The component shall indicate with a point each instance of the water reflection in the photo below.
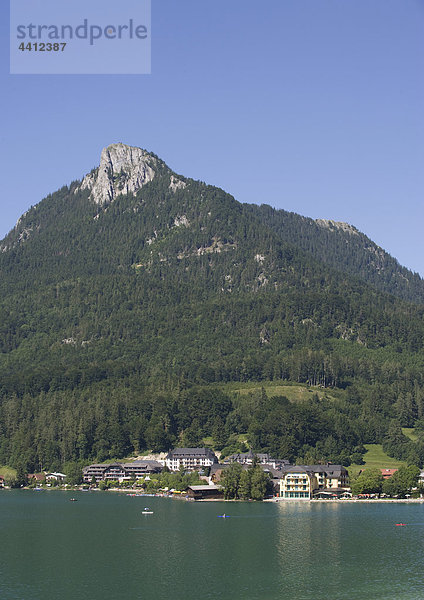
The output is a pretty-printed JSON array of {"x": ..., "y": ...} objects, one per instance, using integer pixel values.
[
  {"x": 307, "y": 533},
  {"x": 348, "y": 550}
]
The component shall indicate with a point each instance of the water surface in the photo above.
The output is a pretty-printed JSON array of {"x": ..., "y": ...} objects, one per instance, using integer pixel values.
[{"x": 102, "y": 547}]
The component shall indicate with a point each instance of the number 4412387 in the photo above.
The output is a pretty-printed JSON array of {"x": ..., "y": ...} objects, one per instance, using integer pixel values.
[{"x": 43, "y": 46}]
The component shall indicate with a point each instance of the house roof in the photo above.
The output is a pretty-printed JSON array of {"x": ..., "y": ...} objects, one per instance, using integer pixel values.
[
  {"x": 329, "y": 470},
  {"x": 296, "y": 469},
  {"x": 36, "y": 476},
  {"x": 187, "y": 452},
  {"x": 262, "y": 457},
  {"x": 143, "y": 464},
  {"x": 95, "y": 466},
  {"x": 130, "y": 466},
  {"x": 219, "y": 467},
  {"x": 388, "y": 472},
  {"x": 276, "y": 473},
  {"x": 202, "y": 488}
]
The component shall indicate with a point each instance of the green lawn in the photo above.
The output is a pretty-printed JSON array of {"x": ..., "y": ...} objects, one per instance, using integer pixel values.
[{"x": 375, "y": 458}]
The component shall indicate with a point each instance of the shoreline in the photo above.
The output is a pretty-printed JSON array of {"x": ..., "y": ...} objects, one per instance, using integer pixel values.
[
  {"x": 362, "y": 500},
  {"x": 276, "y": 500}
]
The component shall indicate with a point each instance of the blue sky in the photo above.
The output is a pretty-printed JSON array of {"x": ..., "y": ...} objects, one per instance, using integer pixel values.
[{"x": 314, "y": 106}]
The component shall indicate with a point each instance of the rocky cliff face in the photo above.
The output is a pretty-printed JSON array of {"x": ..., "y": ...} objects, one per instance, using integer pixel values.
[
  {"x": 333, "y": 225},
  {"x": 123, "y": 170}
]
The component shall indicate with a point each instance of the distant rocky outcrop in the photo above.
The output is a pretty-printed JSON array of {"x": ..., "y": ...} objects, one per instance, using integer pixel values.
[
  {"x": 330, "y": 224},
  {"x": 123, "y": 170}
]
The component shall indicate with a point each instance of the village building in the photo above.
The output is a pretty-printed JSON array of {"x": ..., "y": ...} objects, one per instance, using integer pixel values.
[
  {"x": 305, "y": 482},
  {"x": 190, "y": 459},
  {"x": 332, "y": 477},
  {"x": 247, "y": 458},
  {"x": 37, "y": 478},
  {"x": 204, "y": 492},
  {"x": 296, "y": 483},
  {"x": 120, "y": 471},
  {"x": 54, "y": 476},
  {"x": 216, "y": 471},
  {"x": 387, "y": 473}
]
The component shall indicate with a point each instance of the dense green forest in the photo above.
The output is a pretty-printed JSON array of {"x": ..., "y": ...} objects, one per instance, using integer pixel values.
[
  {"x": 120, "y": 325},
  {"x": 343, "y": 247}
]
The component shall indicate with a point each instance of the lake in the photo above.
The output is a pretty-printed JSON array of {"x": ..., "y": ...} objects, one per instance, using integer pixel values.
[{"x": 102, "y": 547}]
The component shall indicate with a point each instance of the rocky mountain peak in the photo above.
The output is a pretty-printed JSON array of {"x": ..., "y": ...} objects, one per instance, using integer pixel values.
[{"x": 123, "y": 170}]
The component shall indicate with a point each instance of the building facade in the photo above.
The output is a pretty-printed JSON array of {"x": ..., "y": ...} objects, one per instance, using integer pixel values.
[
  {"x": 204, "y": 492},
  {"x": 120, "y": 471},
  {"x": 306, "y": 482},
  {"x": 59, "y": 477},
  {"x": 190, "y": 459},
  {"x": 296, "y": 483}
]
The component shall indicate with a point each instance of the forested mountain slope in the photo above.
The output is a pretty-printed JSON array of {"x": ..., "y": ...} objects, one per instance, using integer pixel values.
[
  {"x": 123, "y": 293},
  {"x": 343, "y": 247}
]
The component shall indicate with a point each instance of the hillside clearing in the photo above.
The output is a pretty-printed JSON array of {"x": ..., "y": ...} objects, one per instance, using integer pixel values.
[
  {"x": 292, "y": 391},
  {"x": 7, "y": 472},
  {"x": 410, "y": 433},
  {"x": 376, "y": 458}
]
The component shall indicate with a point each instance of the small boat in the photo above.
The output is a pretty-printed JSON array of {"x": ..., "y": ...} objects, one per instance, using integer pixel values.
[
  {"x": 146, "y": 512},
  {"x": 72, "y": 500},
  {"x": 224, "y": 516},
  {"x": 400, "y": 524}
]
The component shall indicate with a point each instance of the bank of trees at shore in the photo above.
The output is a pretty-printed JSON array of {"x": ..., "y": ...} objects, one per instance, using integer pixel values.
[
  {"x": 252, "y": 483},
  {"x": 403, "y": 482}
]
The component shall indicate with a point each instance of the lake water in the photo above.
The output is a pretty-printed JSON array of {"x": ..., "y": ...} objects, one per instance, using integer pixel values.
[{"x": 102, "y": 547}]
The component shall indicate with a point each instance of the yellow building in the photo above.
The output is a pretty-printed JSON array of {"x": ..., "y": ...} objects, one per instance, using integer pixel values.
[
  {"x": 302, "y": 482},
  {"x": 296, "y": 484}
]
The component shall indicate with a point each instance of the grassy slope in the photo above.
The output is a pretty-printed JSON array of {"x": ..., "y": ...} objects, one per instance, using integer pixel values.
[
  {"x": 410, "y": 433},
  {"x": 7, "y": 472},
  {"x": 293, "y": 391},
  {"x": 375, "y": 458}
]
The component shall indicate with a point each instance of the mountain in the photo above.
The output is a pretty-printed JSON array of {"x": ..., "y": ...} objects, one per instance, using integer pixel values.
[
  {"x": 130, "y": 298},
  {"x": 125, "y": 170}
]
